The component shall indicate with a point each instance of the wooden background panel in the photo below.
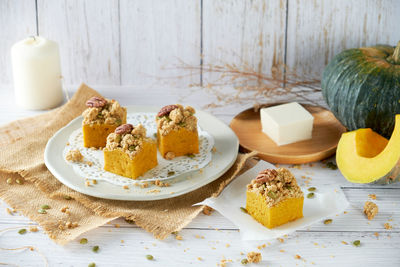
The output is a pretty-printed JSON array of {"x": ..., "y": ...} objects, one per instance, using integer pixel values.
[
  {"x": 88, "y": 35},
  {"x": 318, "y": 30},
  {"x": 17, "y": 21},
  {"x": 237, "y": 32},
  {"x": 155, "y": 35}
]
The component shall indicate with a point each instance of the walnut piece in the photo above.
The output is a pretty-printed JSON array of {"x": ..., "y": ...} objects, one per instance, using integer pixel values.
[
  {"x": 254, "y": 257},
  {"x": 96, "y": 102},
  {"x": 123, "y": 129},
  {"x": 166, "y": 110},
  {"x": 370, "y": 209}
]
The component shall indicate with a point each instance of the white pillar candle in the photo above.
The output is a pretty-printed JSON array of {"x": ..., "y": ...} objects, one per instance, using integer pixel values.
[{"x": 37, "y": 73}]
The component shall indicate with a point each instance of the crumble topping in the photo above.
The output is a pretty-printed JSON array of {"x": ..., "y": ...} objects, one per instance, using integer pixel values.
[
  {"x": 103, "y": 111},
  {"x": 128, "y": 138},
  {"x": 174, "y": 117},
  {"x": 74, "y": 155},
  {"x": 254, "y": 257},
  {"x": 275, "y": 185},
  {"x": 370, "y": 209}
]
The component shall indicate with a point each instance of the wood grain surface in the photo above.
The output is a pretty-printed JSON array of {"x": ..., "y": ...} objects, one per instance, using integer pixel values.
[{"x": 325, "y": 137}]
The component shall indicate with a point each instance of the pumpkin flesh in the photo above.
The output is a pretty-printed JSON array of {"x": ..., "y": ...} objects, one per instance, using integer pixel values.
[{"x": 363, "y": 156}]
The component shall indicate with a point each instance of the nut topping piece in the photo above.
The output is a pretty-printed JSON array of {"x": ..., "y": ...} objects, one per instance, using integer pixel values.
[
  {"x": 96, "y": 102},
  {"x": 266, "y": 176},
  {"x": 124, "y": 128},
  {"x": 166, "y": 110}
]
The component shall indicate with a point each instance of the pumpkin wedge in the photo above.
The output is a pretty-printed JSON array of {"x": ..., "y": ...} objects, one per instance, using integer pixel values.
[{"x": 363, "y": 156}]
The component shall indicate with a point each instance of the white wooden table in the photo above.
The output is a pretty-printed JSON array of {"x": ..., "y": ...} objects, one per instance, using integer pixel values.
[{"x": 209, "y": 239}]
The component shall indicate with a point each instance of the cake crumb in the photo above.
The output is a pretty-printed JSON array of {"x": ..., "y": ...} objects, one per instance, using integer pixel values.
[
  {"x": 153, "y": 191},
  {"x": 125, "y": 187},
  {"x": 282, "y": 250},
  {"x": 74, "y": 155},
  {"x": 227, "y": 245},
  {"x": 33, "y": 229},
  {"x": 261, "y": 246},
  {"x": 144, "y": 185},
  {"x": 9, "y": 211},
  {"x": 117, "y": 225},
  {"x": 372, "y": 196},
  {"x": 161, "y": 184},
  {"x": 207, "y": 210},
  {"x": 345, "y": 243},
  {"x": 387, "y": 226},
  {"x": 376, "y": 234},
  {"x": 281, "y": 240},
  {"x": 254, "y": 257},
  {"x": 199, "y": 258},
  {"x": 122, "y": 241},
  {"x": 178, "y": 237},
  {"x": 297, "y": 256},
  {"x": 370, "y": 209}
]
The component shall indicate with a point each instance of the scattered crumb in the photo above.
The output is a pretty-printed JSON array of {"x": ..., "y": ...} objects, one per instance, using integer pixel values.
[
  {"x": 122, "y": 241},
  {"x": 297, "y": 256},
  {"x": 87, "y": 183},
  {"x": 281, "y": 240},
  {"x": 125, "y": 187},
  {"x": 282, "y": 250},
  {"x": 370, "y": 209},
  {"x": 207, "y": 210},
  {"x": 64, "y": 209},
  {"x": 33, "y": 229},
  {"x": 94, "y": 181},
  {"x": 227, "y": 245},
  {"x": 387, "y": 226},
  {"x": 161, "y": 184},
  {"x": 214, "y": 149},
  {"x": 254, "y": 257},
  {"x": 89, "y": 163},
  {"x": 376, "y": 234},
  {"x": 153, "y": 191},
  {"x": 144, "y": 185},
  {"x": 199, "y": 258},
  {"x": 117, "y": 225},
  {"x": 372, "y": 196},
  {"x": 74, "y": 155},
  {"x": 9, "y": 211},
  {"x": 344, "y": 212},
  {"x": 345, "y": 243},
  {"x": 178, "y": 237},
  {"x": 261, "y": 246}
]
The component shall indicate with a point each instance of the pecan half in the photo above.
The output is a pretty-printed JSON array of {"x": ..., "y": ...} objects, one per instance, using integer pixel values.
[
  {"x": 96, "y": 102},
  {"x": 266, "y": 176},
  {"x": 166, "y": 110},
  {"x": 124, "y": 128}
]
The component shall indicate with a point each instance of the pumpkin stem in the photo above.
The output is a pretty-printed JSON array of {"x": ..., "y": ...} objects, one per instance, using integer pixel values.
[{"x": 396, "y": 54}]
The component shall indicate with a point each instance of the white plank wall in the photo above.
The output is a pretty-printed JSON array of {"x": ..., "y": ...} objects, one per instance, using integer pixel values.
[
  {"x": 140, "y": 43},
  {"x": 318, "y": 30},
  {"x": 17, "y": 20},
  {"x": 88, "y": 35}
]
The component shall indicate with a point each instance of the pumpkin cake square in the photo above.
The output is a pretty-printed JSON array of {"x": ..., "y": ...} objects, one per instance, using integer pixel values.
[
  {"x": 100, "y": 119},
  {"x": 129, "y": 152},
  {"x": 273, "y": 198},
  {"x": 177, "y": 131}
]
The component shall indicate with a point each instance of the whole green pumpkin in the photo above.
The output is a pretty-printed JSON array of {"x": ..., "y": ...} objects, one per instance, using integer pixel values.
[{"x": 362, "y": 87}]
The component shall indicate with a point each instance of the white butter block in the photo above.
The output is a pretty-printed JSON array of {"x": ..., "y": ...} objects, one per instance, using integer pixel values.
[{"x": 287, "y": 123}]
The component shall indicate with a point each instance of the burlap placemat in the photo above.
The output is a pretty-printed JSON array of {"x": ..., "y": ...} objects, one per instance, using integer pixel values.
[{"x": 26, "y": 184}]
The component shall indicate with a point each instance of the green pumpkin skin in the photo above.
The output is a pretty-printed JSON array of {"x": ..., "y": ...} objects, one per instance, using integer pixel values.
[{"x": 362, "y": 88}]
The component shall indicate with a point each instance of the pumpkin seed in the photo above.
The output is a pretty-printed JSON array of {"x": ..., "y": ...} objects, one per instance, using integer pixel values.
[
  {"x": 244, "y": 210},
  {"x": 42, "y": 211},
  {"x": 155, "y": 135},
  {"x": 22, "y": 231},
  {"x": 271, "y": 194},
  {"x": 170, "y": 173},
  {"x": 118, "y": 121},
  {"x": 130, "y": 221},
  {"x": 310, "y": 195},
  {"x": 331, "y": 165},
  {"x": 286, "y": 186},
  {"x": 312, "y": 189},
  {"x": 328, "y": 221},
  {"x": 95, "y": 249},
  {"x": 190, "y": 155},
  {"x": 244, "y": 261},
  {"x": 83, "y": 241},
  {"x": 357, "y": 243},
  {"x": 19, "y": 181},
  {"x": 45, "y": 207},
  {"x": 92, "y": 264},
  {"x": 9, "y": 181},
  {"x": 149, "y": 257},
  {"x": 131, "y": 148},
  {"x": 100, "y": 116},
  {"x": 67, "y": 197}
]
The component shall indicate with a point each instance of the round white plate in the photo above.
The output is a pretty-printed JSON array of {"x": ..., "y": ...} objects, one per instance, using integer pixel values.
[{"x": 226, "y": 144}]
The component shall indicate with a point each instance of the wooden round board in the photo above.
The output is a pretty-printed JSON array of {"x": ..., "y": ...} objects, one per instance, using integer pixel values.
[{"x": 325, "y": 137}]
